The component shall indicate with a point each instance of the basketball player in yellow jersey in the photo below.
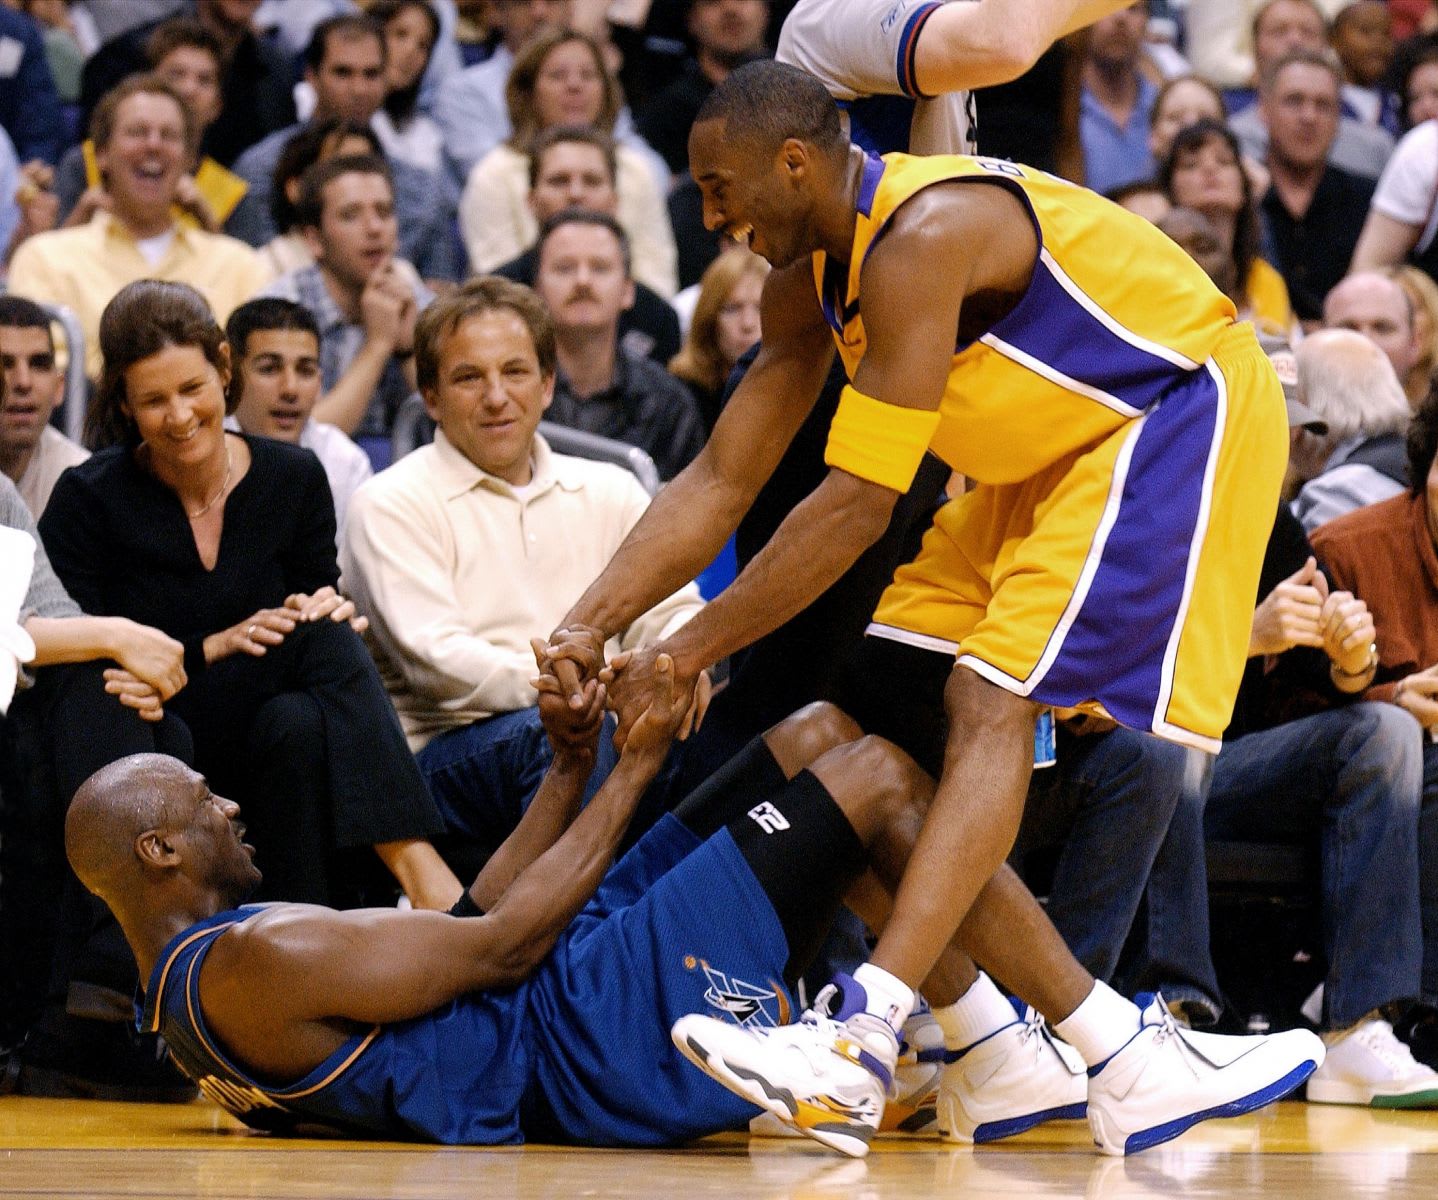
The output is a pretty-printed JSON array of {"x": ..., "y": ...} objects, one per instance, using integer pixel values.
[{"x": 1127, "y": 441}]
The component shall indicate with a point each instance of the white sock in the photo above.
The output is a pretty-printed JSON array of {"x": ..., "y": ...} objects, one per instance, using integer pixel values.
[
  {"x": 980, "y": 1011},
  {"x": 887, "y": 996},
  {"x": 1101, "y": 1026}
]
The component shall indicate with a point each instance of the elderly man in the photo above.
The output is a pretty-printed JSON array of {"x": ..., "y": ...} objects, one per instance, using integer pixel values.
[
  {"x": 144, "y": 138},
  {"x": 1349, "y": 384},
  {"x": 463, "y": 549},
  {"x": 1387, "y": 555},
  {"x": 1373, "y": 304}
]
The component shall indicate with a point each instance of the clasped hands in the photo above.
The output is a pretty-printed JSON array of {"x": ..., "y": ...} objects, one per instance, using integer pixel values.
[{"x": 644, "y": 688}]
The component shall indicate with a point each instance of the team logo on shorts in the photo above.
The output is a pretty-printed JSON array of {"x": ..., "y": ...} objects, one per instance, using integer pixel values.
[{"x": 742, "y": 1002}]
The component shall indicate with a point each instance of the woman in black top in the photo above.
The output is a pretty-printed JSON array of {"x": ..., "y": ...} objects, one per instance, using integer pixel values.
[{"x": 226, "y": 543}]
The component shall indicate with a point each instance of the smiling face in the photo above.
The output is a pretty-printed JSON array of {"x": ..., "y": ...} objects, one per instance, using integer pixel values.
[
  {"x": 32, "y": 387},
  {"x": 145, "y": 157},
  {"x": 757, "y": 199},
  {"x": 176, "y": 398},
  {"x": 490, "y": 392},
  {"x": 280, "y": 377}
]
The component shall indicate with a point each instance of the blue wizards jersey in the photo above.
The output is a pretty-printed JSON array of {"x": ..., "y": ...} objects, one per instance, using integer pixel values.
[
  {"x": 578, "y": 1053},
  {"x": 456, "y": 1075}
]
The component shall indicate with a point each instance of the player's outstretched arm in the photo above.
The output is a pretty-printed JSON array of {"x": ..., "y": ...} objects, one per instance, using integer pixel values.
[
  {"x": 574, "y": 735},
  {"x": 284, "y": 988},
  {"x": 688, "y": 522},
  {"x": 966, "y": 46}
]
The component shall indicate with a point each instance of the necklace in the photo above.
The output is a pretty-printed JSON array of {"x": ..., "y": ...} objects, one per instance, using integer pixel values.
[{"x": 215, "y": 499}]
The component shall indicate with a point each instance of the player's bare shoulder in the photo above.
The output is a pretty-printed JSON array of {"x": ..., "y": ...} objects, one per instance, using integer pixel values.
[{"x": 974, "y": 229}]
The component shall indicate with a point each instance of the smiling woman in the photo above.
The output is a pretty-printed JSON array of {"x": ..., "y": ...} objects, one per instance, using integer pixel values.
[{"x": 226, "y": 542}]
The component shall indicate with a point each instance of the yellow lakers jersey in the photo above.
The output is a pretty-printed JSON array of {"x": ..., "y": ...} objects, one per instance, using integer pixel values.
[{"x": 1114, "y": 315}]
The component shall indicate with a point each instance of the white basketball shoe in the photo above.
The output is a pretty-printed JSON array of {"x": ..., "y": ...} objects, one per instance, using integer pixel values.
[
  {"x": 1166, "y": 1079},
  {"x": 1010, "y": 1081},
  {"x": 826, "y": 1076}
]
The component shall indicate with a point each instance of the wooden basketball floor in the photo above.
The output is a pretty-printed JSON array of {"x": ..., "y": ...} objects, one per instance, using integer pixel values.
[{"x": 68, "y": 1148}]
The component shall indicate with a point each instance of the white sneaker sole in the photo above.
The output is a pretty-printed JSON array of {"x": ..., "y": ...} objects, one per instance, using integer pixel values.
[{"x": 852, "y": 1140}]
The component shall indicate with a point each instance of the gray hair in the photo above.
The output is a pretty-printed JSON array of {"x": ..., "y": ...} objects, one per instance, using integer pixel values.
[{"x": 1348, "y": 382}]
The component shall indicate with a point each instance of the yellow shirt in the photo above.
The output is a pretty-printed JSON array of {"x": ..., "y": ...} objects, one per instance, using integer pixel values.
[
  {"x": 1114, "y": 315},
  {"x": 1267, "y": 303},
  {"x": 83, "y": 268}
]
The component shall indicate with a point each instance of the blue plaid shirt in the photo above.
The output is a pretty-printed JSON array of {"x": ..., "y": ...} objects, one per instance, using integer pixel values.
[{"x": 340, "y": 341}]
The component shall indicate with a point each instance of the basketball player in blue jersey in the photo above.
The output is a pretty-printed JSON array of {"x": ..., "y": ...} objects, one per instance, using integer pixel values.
[
  {"x": 1125, "y": 438},
  {"x": 546, "y": 1015}
]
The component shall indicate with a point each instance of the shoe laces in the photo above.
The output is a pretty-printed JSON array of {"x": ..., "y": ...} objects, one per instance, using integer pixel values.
[
  {"x": 1379, "y": 1037},
  {"x": 1165, "y": 1027},
  {"x": 1036, "y": 1032}
]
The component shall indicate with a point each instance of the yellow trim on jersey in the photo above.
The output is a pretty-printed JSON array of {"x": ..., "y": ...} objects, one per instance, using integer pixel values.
[
  {"x": 883, "y": 443},
  {"x": 276, "y": 1094},
  {"x": 170, "y": 962}
]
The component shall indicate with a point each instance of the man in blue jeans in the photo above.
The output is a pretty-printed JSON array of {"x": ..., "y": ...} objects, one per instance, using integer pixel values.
[
  {"x": 468, "y": 547},
  {"x": 1348, "y": 780}
]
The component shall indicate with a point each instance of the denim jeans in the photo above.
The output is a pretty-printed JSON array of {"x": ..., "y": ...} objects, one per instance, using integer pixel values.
[
  {"x": 482, "y": 777},
  {"x": 1350, "y": 781},
  {"x": 1127, "y": 827},
  {"x": 1428, "y": 870}
]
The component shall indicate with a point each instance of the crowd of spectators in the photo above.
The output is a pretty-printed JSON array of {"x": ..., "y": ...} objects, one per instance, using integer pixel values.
[{"x": 277, "y": 232}]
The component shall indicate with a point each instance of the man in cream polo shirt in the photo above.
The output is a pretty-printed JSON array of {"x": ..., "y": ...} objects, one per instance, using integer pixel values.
[{"x": 465, "y": 549}]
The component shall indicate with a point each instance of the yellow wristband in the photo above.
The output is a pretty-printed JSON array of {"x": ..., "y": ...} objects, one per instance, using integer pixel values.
[{"x": 883, "y": 443}]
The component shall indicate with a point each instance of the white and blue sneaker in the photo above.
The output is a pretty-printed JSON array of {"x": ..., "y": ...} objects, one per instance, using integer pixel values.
[
  {"x": 1167, "y": 1079},
  {"x": 826, "y": 1076},
  {"x": 1010, "y": 1081}
]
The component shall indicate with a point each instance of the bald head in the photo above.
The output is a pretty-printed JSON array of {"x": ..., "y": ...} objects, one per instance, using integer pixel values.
[
  {"x": 1348, "y": 382},
  {"x": 113, "y": 807},
  {"x": 147, "y": 834},
  {"x": 1378, "y": 308}
]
